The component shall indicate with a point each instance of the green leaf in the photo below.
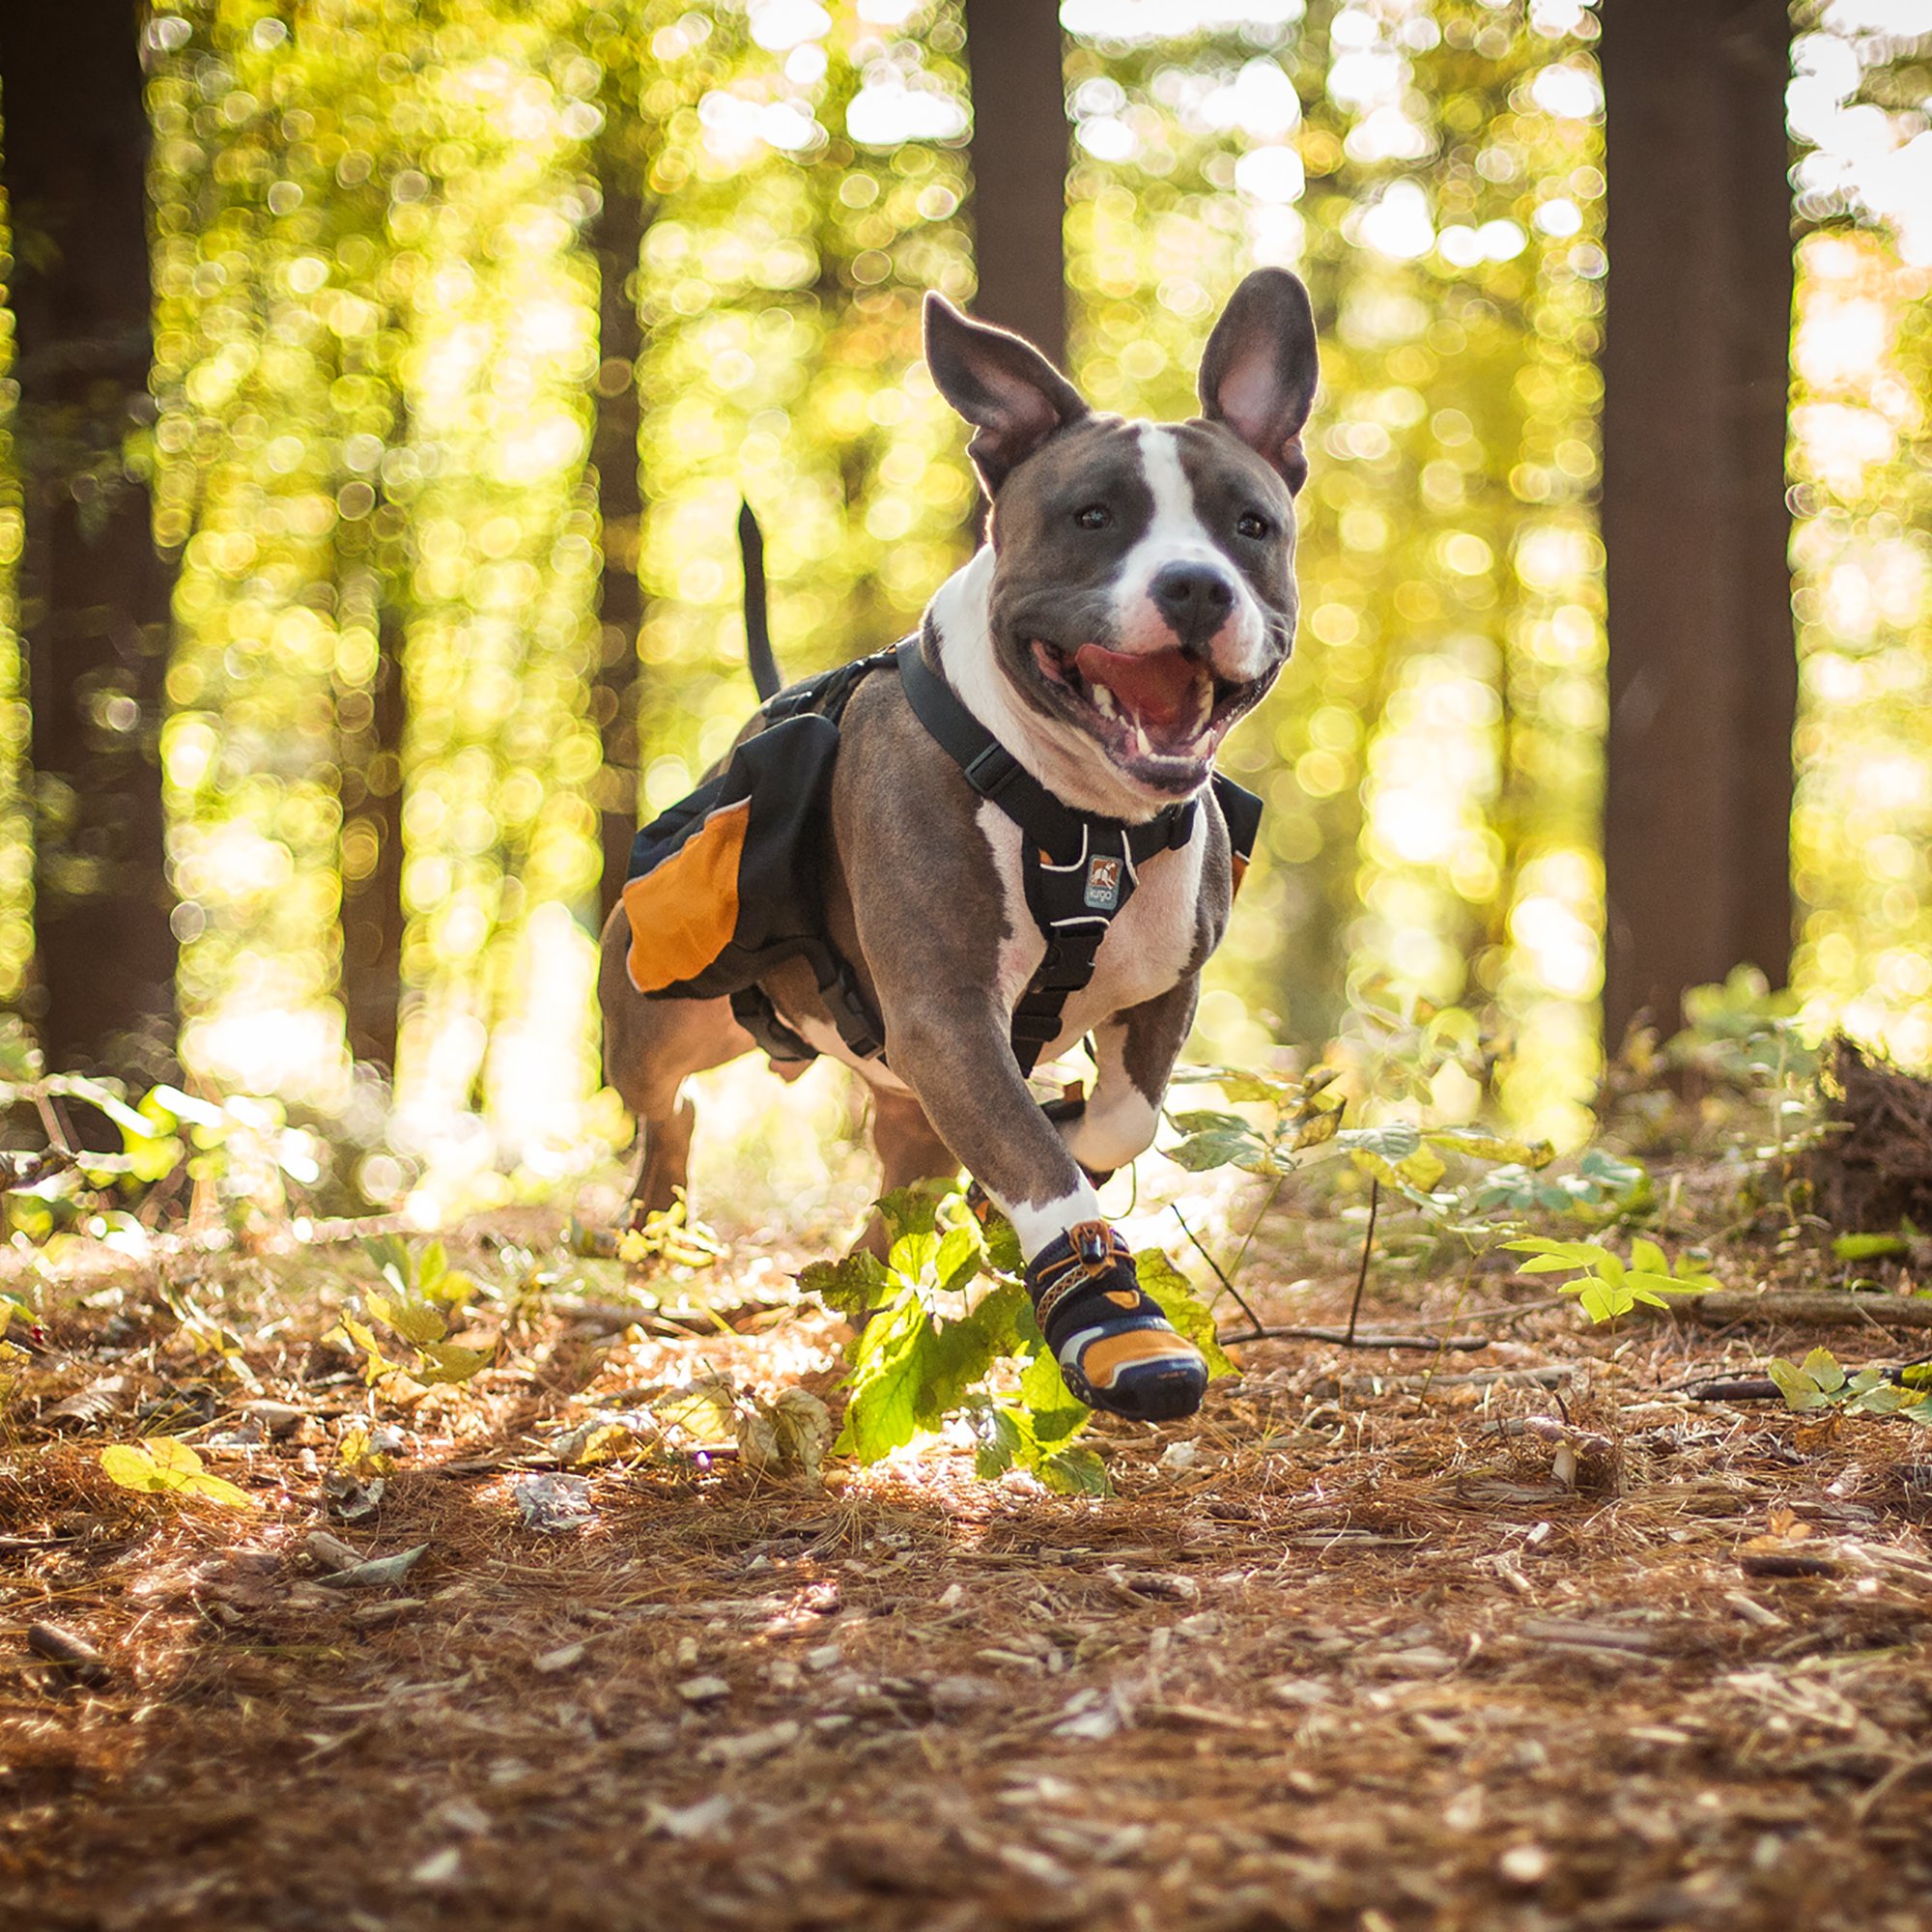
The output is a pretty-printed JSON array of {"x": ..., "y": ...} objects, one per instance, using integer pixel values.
[
  {"x": 452, "y": 1363},
  {"x": 1003, "y": 1246},
  {"x": 913, "y": 1255},
  {"x": 1655, "y": 1284},
  {"x": 1602, "y": 1301},
  {"x": 1480, "y": 1145},
  {"x": 1313, "y": 1129},
  {"x": 1209, "y": 1123},
  {"x": 909, "y": 1371},
  {"x": 1566, "y": 1253},
  {"x": 958, "y": 1260},
  {"x": 1200, "y": 1153},
  {"x": 410, "y": 1319},
  {"x": 164, "y": 1467},
  {"x": 914, "y": 1209},
  {"x": 1186, "y": 1312},
  {"x": 1798, "y": 1390},
  {"x": 390, "y": 1254},
  {"x": 1647, "y": 1258},
  {"x": 1822, "y": 1366},
  {"x": 376, "y": 1364},
  {"x": 997, "y": 1441},
  {"x": 1077, "y": 1472},
  {"x": 851, "y": 1287}
]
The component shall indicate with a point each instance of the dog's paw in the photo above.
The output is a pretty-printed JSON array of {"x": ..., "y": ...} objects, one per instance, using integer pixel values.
[{"x": 1115, "y": 1349}]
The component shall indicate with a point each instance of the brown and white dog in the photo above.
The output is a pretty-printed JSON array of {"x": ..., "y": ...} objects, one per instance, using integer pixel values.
[{"x": 1135, "y": 597}]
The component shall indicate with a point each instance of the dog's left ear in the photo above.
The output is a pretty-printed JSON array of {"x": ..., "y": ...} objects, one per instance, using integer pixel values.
[
  {"x": 1257, "y": 374},
  {"x": 1000, "y": 384}
]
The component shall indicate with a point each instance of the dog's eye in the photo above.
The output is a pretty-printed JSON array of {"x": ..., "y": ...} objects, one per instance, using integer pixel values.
[
  {"x": 1095, "y": 517},
  {"x": 1250, "y": 525}
]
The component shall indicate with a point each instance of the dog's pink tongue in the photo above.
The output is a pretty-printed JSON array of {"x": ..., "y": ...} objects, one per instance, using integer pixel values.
[{"x": 1153, "y": 685}]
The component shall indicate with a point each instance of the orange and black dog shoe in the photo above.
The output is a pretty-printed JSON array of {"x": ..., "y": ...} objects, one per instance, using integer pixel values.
[{"x": 1115, "y": 1349}]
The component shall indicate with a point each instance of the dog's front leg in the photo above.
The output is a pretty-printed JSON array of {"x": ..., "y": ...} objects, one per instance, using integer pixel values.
[
  {"x": 1114, "y": 1347},
  {"x": 1134, "y": 1054}
]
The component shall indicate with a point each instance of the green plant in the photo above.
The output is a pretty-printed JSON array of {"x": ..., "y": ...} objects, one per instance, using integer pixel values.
[
  {"x": 942, "y": 1319},
  {"x": 1409, "y": 1160},
  {"x": 1820, "y": 1382},
  {"x": 422, "y": 1292},
  {"x": 162, "y": 1466},
  {"x": 1608, "y": 1286}
]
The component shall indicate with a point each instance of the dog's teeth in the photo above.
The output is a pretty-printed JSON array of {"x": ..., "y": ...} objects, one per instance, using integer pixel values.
[
  {"x": 1103, "y": 702},
  {"x": 1142, "y": 742}
]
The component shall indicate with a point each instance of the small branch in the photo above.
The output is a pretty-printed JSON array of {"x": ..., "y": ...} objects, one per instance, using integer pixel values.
[
  {"x": 1239, "y": 1301},
  {"x": 1368, "y": 1245},
  {"x": 1365, "y": 1338}
]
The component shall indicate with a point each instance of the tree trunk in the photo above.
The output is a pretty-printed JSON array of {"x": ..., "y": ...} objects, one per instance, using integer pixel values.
[
  {"x": 619, "y": 240},
  {"x": 372, "y": 840},
  {"x": 1703, "y": 673},
  {"x": 1018, "y": 160},
  {"x": 95, "y": 592}
]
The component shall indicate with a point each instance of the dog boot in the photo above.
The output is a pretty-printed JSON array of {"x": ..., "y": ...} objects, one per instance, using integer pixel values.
[{"x": 1113, "y": 1344}]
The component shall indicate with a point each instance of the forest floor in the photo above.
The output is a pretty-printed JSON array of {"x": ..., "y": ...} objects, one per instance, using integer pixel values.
[{"x": 1345, "y": 1651}]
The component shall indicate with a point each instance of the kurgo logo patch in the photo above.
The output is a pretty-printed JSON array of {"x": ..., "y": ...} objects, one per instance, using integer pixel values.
[{"x": 1103, "y": 884}]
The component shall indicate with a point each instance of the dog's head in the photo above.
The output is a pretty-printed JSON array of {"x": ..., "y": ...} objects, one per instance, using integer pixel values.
[{"x": 1143, "y": 587}]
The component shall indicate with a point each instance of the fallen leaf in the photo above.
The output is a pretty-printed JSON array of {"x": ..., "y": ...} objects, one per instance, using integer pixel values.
[
  {"x": 554, "y": 1505},
  {"x": 380, "y": 1572},
  {"x": 162, "y": 1467}
]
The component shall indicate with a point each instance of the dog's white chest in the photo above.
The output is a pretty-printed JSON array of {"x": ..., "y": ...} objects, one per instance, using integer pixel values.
[{"x": 1148, "y": 946}]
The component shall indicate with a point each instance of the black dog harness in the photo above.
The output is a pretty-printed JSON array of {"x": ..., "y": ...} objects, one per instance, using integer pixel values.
[{"x": 724, "y": 886}]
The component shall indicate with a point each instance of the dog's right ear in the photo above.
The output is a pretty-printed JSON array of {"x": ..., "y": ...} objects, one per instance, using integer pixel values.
[{"x": 1003, "y": 385}]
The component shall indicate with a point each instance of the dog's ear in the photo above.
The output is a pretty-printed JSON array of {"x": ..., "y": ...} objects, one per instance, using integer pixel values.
[
  {"x": 1258, "y": 373},
  {"x": 1004, "y": 386}
]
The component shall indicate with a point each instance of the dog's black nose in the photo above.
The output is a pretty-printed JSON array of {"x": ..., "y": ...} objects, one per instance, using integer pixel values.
[{"x": 1195, "y": 599}]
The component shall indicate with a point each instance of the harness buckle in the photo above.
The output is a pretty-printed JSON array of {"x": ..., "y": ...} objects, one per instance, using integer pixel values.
[{"x": 991, "y": 771}]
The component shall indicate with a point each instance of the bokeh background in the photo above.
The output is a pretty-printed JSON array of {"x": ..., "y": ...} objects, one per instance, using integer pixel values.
[{"x": 389, "y": 315}]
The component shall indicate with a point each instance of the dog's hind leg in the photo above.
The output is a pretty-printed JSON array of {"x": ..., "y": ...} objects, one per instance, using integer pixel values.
[{"x": 650, "y": 1048}]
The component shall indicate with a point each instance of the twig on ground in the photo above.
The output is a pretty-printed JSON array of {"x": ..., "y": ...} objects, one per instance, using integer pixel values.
[
  {"x": 1240, "y": 1300},
  {"x": 1365, "y": 1338},
  {"x": 1368, "y": 1247}
]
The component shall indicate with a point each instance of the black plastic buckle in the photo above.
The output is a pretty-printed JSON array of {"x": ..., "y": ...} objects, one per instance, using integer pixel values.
[{"x": 991, "y": 771}]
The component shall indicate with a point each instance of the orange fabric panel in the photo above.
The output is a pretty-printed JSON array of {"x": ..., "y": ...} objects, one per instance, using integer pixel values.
[
  {"x": 1239, "y": 868},
  {"x": 1102, "y": 1361},
  {"x": 682, "y": 915}
]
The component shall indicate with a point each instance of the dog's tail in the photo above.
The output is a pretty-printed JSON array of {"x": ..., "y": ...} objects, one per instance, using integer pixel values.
[{"x": 765, "y": 676}]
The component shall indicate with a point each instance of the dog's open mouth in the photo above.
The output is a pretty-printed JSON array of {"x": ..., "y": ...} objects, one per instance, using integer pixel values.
[{"x": 1160, "y": 714}]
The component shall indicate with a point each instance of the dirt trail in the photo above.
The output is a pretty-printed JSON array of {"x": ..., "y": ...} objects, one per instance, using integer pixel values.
[{"x": 1344, "y": 1654}]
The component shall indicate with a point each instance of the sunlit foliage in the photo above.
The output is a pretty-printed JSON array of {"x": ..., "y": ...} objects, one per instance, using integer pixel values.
[
  {"x": 1432, "y": 755},
  {"x": 1861, "y": 436},
  {"x": 376, "y": 362}
]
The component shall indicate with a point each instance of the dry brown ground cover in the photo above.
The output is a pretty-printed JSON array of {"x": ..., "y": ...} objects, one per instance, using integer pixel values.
[{"x": 1343, "y": 1654}]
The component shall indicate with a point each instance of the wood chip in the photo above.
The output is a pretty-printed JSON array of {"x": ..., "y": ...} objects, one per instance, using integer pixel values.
[{"x": 71, "y": 1652}]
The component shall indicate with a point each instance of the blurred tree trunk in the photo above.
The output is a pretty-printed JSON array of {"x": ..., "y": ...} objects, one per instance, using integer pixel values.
[
  {"x": 1703, "y": 670},
  {"x": 619, "y": 239},
  {"x": 1018, "y": 159},
  {"x": 95, "y": 592},
  {"x": 372, "y": 826}
]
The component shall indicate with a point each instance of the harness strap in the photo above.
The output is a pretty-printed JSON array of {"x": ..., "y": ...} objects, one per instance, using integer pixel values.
[{"x": 1079, "y": 868}]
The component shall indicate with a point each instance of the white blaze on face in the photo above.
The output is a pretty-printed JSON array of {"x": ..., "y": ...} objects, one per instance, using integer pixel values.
[{"x": 1239, "y": 649}]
